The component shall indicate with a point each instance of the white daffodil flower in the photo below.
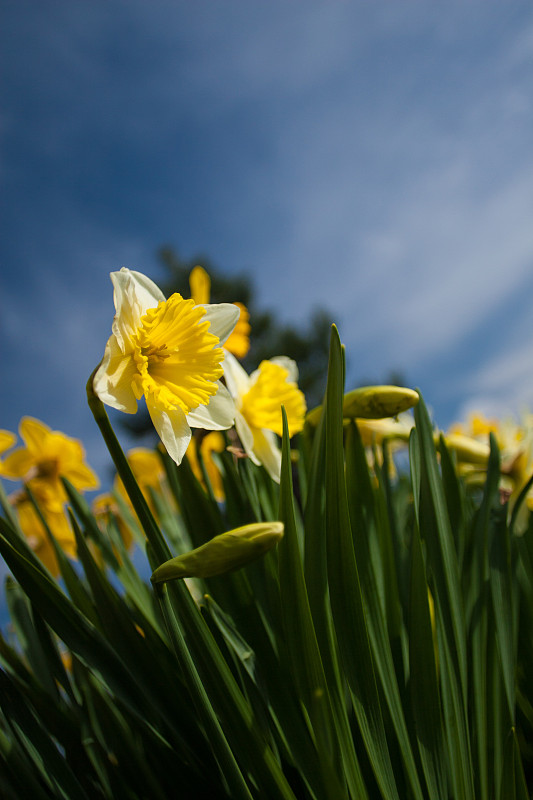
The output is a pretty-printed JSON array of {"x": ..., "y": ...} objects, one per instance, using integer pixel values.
[
  {"x": 258, "y": 400},
  {"x": 170, "y": 352}
]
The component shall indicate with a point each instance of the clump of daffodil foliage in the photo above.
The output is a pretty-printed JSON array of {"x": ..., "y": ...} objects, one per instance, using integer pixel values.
[{"x": 272, "y": 606}]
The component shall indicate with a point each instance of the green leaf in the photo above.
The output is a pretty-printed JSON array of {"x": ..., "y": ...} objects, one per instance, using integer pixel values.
[
  {"x": 34, "y": 739},
  {"x": 479, "y": 588},
  {"x": 443, "y": 571},
  {"x": 347, "y": 605},
  {"x": 513, "y": 786},
  {"x": 423, "y": 680},
  {"x": 374, "y": 556},
  {"x": 300, "y": 638}
]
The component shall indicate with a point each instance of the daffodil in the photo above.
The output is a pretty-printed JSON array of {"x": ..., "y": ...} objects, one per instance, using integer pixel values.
[
  {"x": 169, "y": 352},
  {"x": 211, "y": 443},
  {"x": 105, "y": 509},
  {"x": 47, "y": 456},
  {"x": 238, "y": 342},
  {"x": 35, "y": 533},
  {"x": 147, "y": 467},
  {"x": 375, "y": 431},
  {"x": 395, "y": 431},
  {"x": 515, "y": 442},
  {"x": 149, "y": 473},
  {"x": 258, "y": 399}
]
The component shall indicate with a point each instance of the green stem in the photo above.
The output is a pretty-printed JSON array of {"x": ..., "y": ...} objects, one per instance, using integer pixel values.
[
  {"x": 217, "y": 740},
  {"x": 228, "y": 699},
  {"x": 150, "y": 526}
]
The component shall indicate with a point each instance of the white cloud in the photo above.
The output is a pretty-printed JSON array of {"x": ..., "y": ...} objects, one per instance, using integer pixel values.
[{"x": 379, "y": 164}]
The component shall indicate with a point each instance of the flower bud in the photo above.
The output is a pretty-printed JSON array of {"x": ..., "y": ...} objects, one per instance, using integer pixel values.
[
  {"x": 224, "y": 553},
  {"x": 467, "y": 449},
  {"x": 372, "y": 402}
]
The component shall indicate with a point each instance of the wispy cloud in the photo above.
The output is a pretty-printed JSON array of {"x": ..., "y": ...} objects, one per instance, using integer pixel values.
[{"x": 370, "y": 158}]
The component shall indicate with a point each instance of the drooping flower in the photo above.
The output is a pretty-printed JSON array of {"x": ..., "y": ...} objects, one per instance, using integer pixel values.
[
  {"x": 258, "y": 399},
  {"x": 375, "y": 431},
  {"x": 470, "y": 442},
  {"x": 35, "y": 533},
  {"x": 395, "y": 431},
  {"x": 211, "y": 443},
  {"x": 147, "y": 468},
  {"x": 105, "y": 509},
  {"x": 170, "y": 352},
  {"x": 47, "y": 456},
  {"x": 150, "y": 475},
  {"x": 238, "y": 341}
]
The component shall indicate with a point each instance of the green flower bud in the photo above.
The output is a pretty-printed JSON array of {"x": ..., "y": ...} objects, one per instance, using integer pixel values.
[
  {"x": 372, "y": 402},
  {"x": 224, "y": 553},
  {"x": 468, "y": 449}
]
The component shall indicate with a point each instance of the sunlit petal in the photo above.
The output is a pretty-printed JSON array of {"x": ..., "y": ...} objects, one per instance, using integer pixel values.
[
  {"x": 34, "y": 433},
  {"x": 236, "y": 377},
  {"x": 172, "y": 427},
  {"x": 7, "y": 440},
  {"x": 246, "y": 436},
  {"x": 267, "y": 451},
  {"x": 288, "y": 364},
  {"x": 217, "y": 415},
  {"x": 114, "y": 377},
  {"x": 17, "y": 464},
  {"x": 222, "y": 318},
  {"x": 200, "y": 284}
]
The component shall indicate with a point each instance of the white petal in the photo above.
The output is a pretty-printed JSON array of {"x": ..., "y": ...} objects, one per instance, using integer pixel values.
[
  {"x": 246, "y": 436},
  {"x": 289, "y": 364},
  {"x": 236, "y": 377},
  {"x": 112, "y": 382},
  {"x": 217, "y": 415},
  {"x": 223, "y": 318},
  {"x": 173, "y": 429},
  {"x": 267, "y": 451},
  {"x": 133, "y": 295}
]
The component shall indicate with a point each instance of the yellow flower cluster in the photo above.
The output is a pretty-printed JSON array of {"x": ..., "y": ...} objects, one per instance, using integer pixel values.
[
  {"x": 470, "y": 442},
  {"x": 39, "y": 465},
  {"x": 178, "y": 355}
]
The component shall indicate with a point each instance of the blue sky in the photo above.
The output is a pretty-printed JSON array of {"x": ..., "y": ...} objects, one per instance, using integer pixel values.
[{"x": 373, "y": 158}]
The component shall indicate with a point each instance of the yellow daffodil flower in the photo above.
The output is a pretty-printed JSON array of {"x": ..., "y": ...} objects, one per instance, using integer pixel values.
[
  {"x": 149, "y": 473},
  {"x": 238, "y": 342},
  {"x": 104, "y": 508},
  {"x": 375, "y": 431},
  {"x": 211, "y": 443},
  {"x": 147, "y": 467},
  {"x": 478, "y": 426},
  {"x": 170, "y": 352},
  {"x": 515, "y": 442},
  {"x": 46, "y": 457},
  {"x": 467, "y": 449},
  {"x": 258, "y": 399},
  {"x": 35, "y": 533}
]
